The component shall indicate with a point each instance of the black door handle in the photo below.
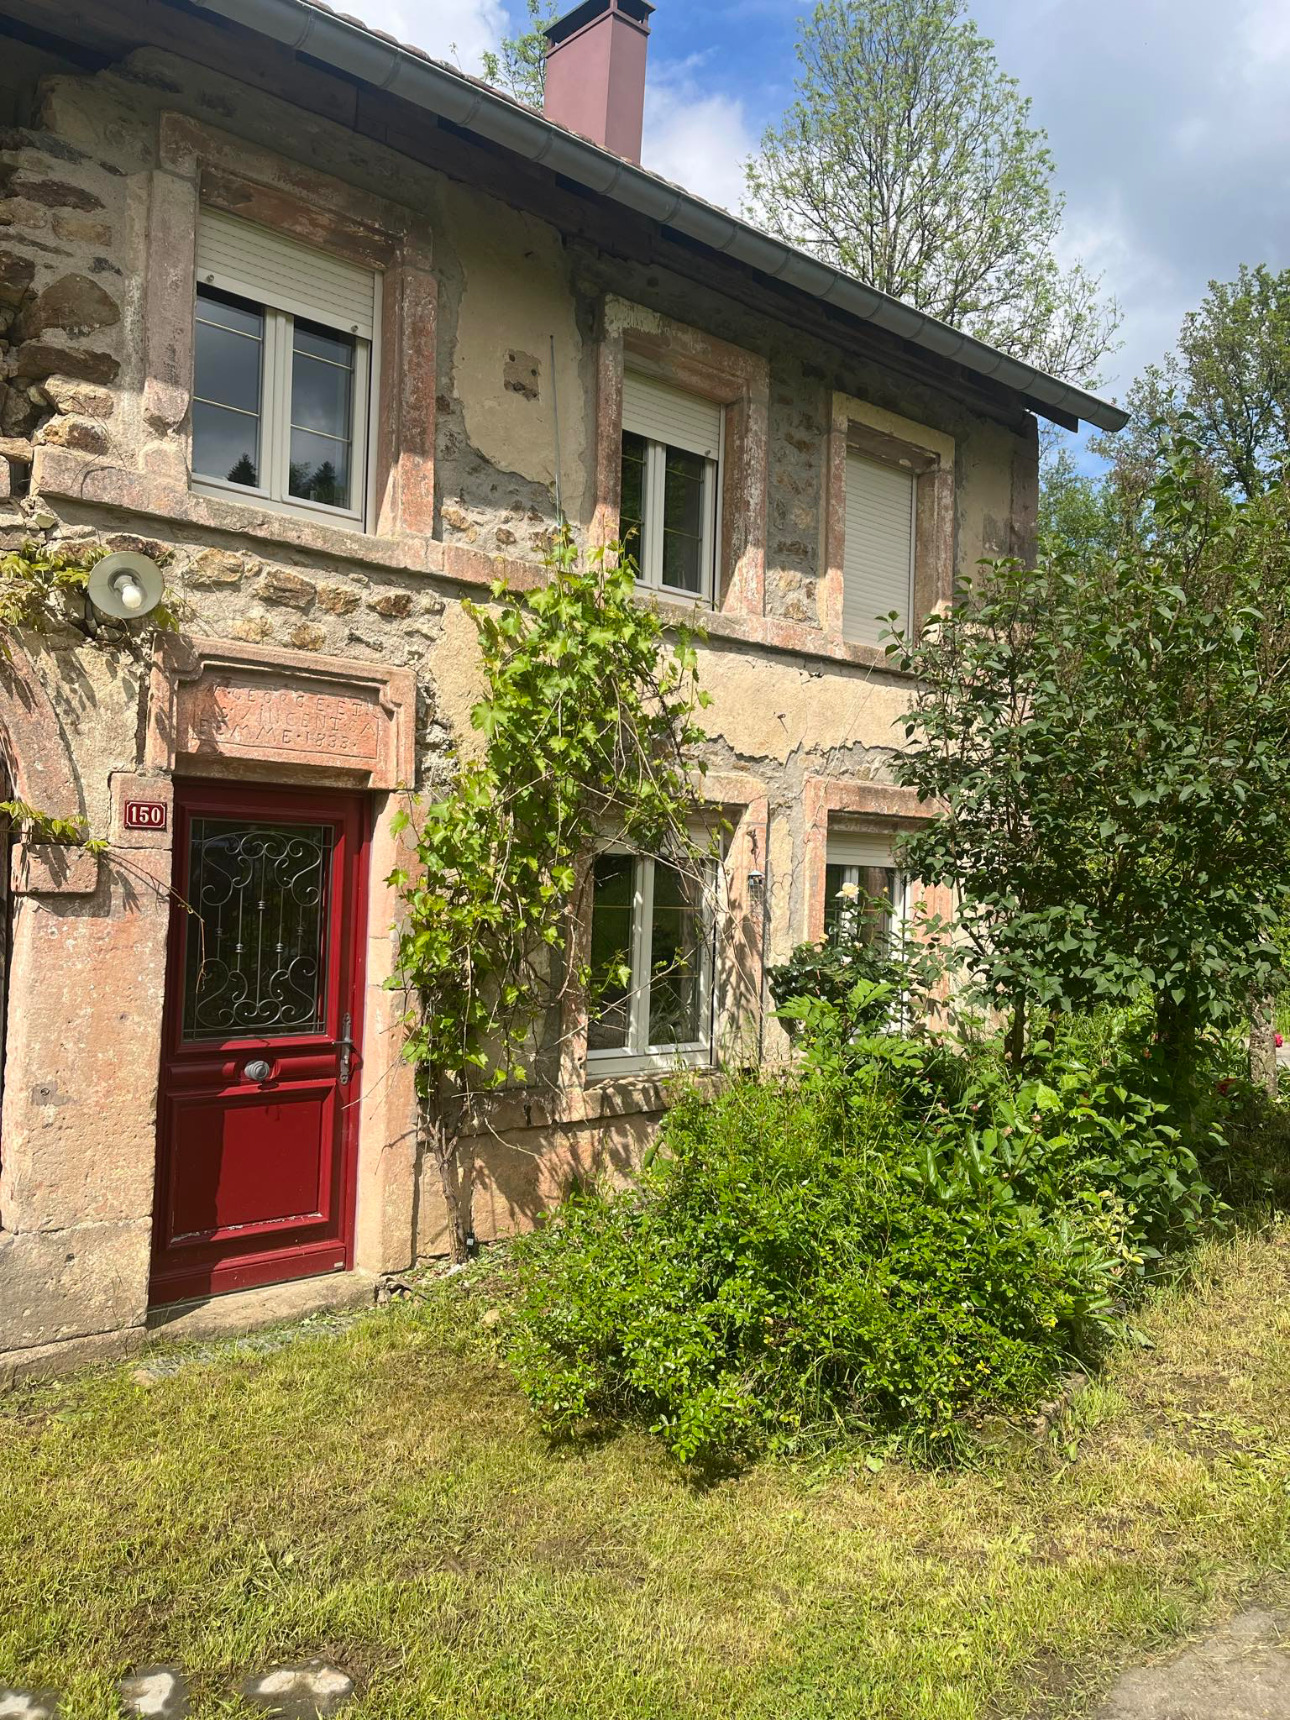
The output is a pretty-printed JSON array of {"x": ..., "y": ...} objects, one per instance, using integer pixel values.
[{"x": 346, "y": 1046}]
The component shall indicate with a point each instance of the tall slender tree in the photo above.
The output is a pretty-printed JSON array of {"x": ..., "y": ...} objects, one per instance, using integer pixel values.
[
  {"x": 910, "y": 159},
  {"x": 519, "y": 65}
]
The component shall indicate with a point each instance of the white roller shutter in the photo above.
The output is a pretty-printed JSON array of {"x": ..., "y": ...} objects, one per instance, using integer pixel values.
[
  {"x": 257, "y": 264},
  {"x": 878, "y": 566},
  {"x": 864, "y": 849},
  {"x": 665, "y": 414}
]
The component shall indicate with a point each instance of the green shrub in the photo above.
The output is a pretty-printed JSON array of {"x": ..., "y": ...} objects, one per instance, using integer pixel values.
[
  {"x": 830, "y": 972},
  {"x": 775, "y": 1280},
  {"x": 1073, "y": 1135}
]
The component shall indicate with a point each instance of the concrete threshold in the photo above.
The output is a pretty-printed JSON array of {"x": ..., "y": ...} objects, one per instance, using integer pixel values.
[{"x": 250, "y": 1310}]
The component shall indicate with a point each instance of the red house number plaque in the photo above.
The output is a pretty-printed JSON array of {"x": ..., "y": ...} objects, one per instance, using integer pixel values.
[{"x": 146, "y": 814}]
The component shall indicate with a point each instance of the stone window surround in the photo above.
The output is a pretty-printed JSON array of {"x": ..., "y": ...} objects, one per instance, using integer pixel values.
[
  {"x": 860, "y": 428},
  {"x": 872, "y": 807},
  {"x": 204, "y": 168},
  {"x": 736, "y": 380},
  {"x": 740, "y": 802}
]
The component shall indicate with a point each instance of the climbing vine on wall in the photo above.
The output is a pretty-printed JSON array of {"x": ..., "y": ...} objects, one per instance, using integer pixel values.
[{"x": 589, "y": 727}]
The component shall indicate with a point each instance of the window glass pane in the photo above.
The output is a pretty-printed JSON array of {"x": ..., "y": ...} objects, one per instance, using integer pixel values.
[
  {"x": 683, "y": 520},
  {"x": 677, "y": 956},
  {"x": 860, "y": 904},
  {"x": 322, "y": 392},
  {"x": 320, "y": 342},
  {"x": 226, "y": 368},
  {"x": 228, "y": 311},
  {"x": 632, "y": 513},
  {"x": 225, "y": 444},
  {"x": 319, "y": 470},
  {"x": 609, "y": 1008}
]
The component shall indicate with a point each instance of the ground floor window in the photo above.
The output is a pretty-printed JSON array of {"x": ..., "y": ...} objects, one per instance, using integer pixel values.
[
  {"x": 865, "y": 893},
  {"x": 651, "y": 963}
]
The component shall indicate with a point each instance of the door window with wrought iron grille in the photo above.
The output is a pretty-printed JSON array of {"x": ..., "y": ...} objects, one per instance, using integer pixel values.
[{"x": 256, "y": 952}]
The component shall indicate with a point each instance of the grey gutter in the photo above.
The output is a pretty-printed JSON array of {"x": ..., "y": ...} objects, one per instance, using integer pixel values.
[{"x": 357, "y": 51}]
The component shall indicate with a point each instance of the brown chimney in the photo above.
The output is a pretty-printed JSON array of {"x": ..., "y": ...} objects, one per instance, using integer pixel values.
[{"x": 595, "y": 72}]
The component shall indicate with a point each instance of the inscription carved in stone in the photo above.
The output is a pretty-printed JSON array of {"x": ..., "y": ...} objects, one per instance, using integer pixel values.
[{"x": 249, "y": 719}]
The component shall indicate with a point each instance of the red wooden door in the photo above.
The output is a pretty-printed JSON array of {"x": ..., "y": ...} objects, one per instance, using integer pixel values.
[{"x": 258, "y": 1111}]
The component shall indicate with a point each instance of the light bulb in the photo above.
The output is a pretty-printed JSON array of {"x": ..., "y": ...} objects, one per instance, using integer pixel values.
[{"x": 131, "y": 595}]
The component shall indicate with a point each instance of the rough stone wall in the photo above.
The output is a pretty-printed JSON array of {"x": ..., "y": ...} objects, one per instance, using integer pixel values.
[{"x": 75, "y": 169}]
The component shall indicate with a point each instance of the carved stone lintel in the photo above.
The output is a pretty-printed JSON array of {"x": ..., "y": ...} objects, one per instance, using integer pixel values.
[{"x": 217, "y": 704}]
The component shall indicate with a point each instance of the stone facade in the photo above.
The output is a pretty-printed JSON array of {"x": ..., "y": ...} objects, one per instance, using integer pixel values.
[{"x": 313, "y": 654}]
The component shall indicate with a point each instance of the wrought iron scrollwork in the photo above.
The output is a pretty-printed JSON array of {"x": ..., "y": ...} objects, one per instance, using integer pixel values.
[{"x": 256, "y": 953}]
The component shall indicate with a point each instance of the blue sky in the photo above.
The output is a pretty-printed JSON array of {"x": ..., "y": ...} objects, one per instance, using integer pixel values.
[{"x": 1168, "y": 119}]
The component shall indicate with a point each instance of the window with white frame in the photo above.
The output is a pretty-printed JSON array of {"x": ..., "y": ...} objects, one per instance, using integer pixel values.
[
  {"x": 651, "y": 963},
  {"x": 865, "y": 893},
  {"x": 282, "y": 370},
  {"x": 878, "y": 561},
  {"x": 670, "y": 471}
]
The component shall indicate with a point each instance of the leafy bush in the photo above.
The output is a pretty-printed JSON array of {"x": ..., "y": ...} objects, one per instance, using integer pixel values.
[
  {"x": 775, "y": 1280},
  {"x": 830, "y": 971},
  {"x": 1073, "y": 1135}
]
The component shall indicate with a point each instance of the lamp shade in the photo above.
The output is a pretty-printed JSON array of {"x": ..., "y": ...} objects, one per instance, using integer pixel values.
[{"x": 125, "y": 586}]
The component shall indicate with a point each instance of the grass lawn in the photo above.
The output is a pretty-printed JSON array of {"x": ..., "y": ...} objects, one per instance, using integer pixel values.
[{"x": 378, "y": 1496}]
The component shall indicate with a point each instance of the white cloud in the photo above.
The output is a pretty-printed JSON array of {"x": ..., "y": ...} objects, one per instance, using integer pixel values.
[
  {"x": 695, "y": 138},
  {"x": 458, "y": 30}
]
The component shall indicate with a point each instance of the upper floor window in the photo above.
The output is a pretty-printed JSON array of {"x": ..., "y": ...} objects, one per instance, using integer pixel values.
[
  {"x": 671, "y": 469},
  {"x": 878, "y": 564},
  {"x": 282, "y": 371},
  {"x": 651, "y": 964},
  {"x": 865, "y": 893}
]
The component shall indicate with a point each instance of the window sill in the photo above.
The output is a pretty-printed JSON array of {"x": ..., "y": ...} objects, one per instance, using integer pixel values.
[
  {"x": 334, "y": 519},
  {"x": 652, "y": 1065},
  {"x": 602, "y": 1100}
]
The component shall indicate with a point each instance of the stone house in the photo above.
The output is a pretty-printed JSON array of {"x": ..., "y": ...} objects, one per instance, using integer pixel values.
[{"x": 289, "y": 309}]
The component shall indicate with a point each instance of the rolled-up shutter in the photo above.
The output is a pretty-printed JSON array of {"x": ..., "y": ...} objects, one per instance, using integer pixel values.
[
  {"x": 241, "y": 258},
  {"x": 665, "y": 414},
  {"x": 866, "y": 850},
  {"x": 877, "y": 569}
]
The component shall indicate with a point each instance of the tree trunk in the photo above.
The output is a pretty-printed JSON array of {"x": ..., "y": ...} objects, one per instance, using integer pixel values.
[
  {"x": 444, "y": 1143},
  {"x": 1014, "y": 1046},
  {"x": 1263, "y": 1046},
  {"x": 1176, "y": 1041}
]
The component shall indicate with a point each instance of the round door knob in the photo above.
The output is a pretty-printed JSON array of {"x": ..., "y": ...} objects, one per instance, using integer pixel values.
[{"x": 258, "y": 1071}]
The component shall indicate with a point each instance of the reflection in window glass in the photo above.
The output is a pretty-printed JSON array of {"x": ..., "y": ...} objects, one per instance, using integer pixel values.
[
  {"x": 322, "y": 406},
  {"x": 612, "y": 914},
  {"x": 683, "y": 520},
  {"x": 676, "y": 955},
  {"x": 228, "y": 367},
  {"x": 632, "y": 509},
  {"x": 650, "y": 958}
]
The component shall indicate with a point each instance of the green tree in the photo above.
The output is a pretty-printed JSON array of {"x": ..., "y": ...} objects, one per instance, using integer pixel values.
[
  {"x": 588, "y": 724},
  {"x": 1229, "y": 378},
  {"x": 1109, "y": 739},
  {"x": 1077, "y": 509},
  {"x": 909, "y": 159},
  {"x": 519, "y": 65}
]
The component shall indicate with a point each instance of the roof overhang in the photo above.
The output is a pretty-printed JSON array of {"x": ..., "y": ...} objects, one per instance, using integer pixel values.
[{"x": 354, "y": 50}]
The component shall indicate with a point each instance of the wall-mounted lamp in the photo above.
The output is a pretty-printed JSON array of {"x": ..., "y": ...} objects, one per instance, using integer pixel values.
[{"x": 124, "y": 587}]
